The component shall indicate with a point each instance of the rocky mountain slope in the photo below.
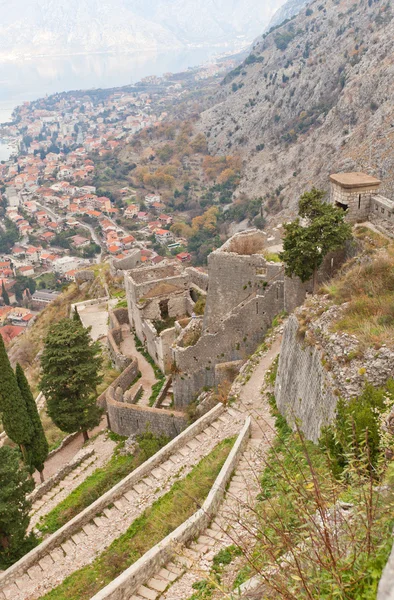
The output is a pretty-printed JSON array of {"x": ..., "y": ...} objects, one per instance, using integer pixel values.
[
  {"x": 33, "y": 27},
  {"x": 314, "y": 97}
]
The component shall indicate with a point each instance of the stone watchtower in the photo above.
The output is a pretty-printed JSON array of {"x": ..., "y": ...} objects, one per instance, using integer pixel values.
[{"x": 353, "y": 192}]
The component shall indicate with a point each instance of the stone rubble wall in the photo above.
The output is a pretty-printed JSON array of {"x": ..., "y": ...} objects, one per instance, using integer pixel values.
[
  {"x": 304, "y": 391},
  {"x": 317, "y": 366},
  {"x": 237, "y": 337},
  {"x": 123, "y": 587},
  {"x": 84, "y": 517},
  {"x": 124, "y": 381},
  {"x": 132, "y": 419},
  {"x": 124, "y": 264}
]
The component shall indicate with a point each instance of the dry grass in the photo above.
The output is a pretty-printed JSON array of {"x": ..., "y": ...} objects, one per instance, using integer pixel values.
[
  {"x": 369, "y": 291},
  {"x": 247, "y": 244}
]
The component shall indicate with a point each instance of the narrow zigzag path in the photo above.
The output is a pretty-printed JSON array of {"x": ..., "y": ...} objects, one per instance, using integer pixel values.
[
  {"x": 235, "y": 521},
  {"x": 88, "y": 543}
]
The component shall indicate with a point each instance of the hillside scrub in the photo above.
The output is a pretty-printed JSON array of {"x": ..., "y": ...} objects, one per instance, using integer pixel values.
[
  {"x": 323, "y": 532},
  {"x": 156, "y": 522},
  {"x": 368, "y": 290},
  {"x": 101, "y": 481}
]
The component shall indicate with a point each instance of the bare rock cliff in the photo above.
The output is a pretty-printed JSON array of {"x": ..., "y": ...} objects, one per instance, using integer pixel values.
[{"x": 313, "y": 97}]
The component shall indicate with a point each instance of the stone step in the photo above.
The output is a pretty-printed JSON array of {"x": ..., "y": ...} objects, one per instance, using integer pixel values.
[
  {"x": 158, "y": 473},
  {"x": 131, "y": 496},
  {"x": 184, "y": 451},
  {"x": 193, "y": 444},
  {"x": 10, "y": 591},
  {"x": 167, "y": 575},
  {"x": 159, "y": 585},
  {"x": 140, "y": 488},
  {"x": 174, "y": 569},
  {"x": 147, "y": 593},
  {"x": 205, "y": 539}
]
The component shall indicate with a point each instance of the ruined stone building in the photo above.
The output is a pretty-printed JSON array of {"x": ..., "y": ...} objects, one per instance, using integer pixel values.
[
  {"x": 243, "y": 294},
  {"x": 358, "y": 194},
  {"x": 161, "y": 302}
]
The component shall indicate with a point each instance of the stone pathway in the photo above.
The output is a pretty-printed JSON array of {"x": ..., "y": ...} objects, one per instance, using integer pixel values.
[
  {"x": 63, "y": 456},
  {"x": 147, "y": 378},
  {"x": 235, "y": 520},
  {"x": 84, "y": 546},
  {"x": 103, "y": 448}
]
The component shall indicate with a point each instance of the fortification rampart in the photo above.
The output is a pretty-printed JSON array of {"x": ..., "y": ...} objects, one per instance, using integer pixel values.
[
  {"x": 128, "y": 419},
  {"x": 317, "y": 366},
  {"x": 237, "y": 336}
]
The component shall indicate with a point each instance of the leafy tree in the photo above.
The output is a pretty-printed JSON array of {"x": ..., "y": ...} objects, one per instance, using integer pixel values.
[
  {"x": 305, "y": 246},
  {"x": 4, "y": 294},
  {"x": 37, "y": 448},
  {"x": 23, "y": 283},
  {"x": 15, "y": 484},
  {"x": 70, "y": 365},
  {"x": 13, "y": 409}
]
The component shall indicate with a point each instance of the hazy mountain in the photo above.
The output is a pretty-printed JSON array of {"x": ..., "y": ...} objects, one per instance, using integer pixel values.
[
  {"x": 288, "y": 10},
  {"x": 32, "y": 27},
  {"x": 314, "y": 97}
]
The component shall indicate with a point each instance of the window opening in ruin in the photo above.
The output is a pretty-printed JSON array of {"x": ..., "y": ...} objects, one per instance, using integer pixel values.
[
  {"x": 359, "y": 201},
  {"x": 163, "y": 306},
  {"x": 376, "y": 207},
  {"x": 257, "y": 308},
  {"x": 341, "y": 205},
  {"x": 277, "y": 293},
  {"x": 382, "y": 211}
]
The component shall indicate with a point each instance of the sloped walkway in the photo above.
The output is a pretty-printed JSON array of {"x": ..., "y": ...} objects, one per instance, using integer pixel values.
[
  {"x": 148, "y": 378},
  {"x": 235, "y": 520}
]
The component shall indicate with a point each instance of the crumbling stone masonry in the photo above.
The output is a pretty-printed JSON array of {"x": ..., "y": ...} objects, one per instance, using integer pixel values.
[{"x": 160, "y": 295}]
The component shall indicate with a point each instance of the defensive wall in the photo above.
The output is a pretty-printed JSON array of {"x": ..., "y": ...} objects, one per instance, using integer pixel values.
[
  {"x": 131, "y": 261},
  {"x": 118, "y": 326}
]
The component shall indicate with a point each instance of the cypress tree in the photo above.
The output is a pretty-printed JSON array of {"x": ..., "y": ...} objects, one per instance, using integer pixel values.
[
  {"x": 37, "y": 448},
  {"x": 4, "y": 294},
  {"x": 15, "y": 417},
  {"x": 15, "y": 484},
  {"x": 76, "y": 316},
  {"x": 70, "y": 363}
]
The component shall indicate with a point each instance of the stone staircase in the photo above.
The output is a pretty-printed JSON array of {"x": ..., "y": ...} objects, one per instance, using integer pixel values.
[
  {"x": 62, "y": 489},
  {"x": 193, "y": 563},
  {"x": 47, "y": 569}
]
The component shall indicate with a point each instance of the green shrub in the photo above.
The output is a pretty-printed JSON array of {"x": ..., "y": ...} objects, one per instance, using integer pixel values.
[{"x": 356, "y": 430}]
